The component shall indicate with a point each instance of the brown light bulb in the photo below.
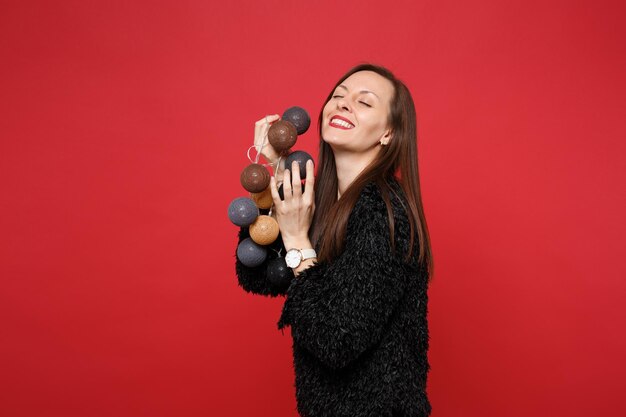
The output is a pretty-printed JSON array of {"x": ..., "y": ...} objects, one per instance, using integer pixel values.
[
  {"x": 255, "y": 178},
  {"x": 264, "y": 230},
  {"x": 282, "y": 135},
  {"x": 263, "y": 199}
]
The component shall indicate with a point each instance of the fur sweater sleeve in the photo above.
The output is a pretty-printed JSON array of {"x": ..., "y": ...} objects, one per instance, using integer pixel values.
[
  {"x": 254, "y": 279},
  {"x": 339, "y": 310}
]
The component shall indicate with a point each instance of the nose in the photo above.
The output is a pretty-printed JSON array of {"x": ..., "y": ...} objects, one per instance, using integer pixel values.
[{"x": 342, "y": 103}]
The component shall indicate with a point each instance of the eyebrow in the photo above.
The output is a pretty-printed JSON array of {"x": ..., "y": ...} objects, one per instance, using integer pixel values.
[{"x": 362, "y": 91}]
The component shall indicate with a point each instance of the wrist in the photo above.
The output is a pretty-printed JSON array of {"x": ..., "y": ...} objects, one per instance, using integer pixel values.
[
  {"x": 300, "y": 258},
  {"x": 303, "y": 265},
  {"x": 278, "y": 168},
  {"x": 301, "y": 242}
]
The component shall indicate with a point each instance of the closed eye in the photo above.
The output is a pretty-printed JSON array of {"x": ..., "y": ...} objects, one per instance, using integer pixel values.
[{"x": 362, "y": 102}]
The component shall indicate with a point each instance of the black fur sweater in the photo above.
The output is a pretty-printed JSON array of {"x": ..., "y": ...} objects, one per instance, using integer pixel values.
[{"x": 359, "y": 324}]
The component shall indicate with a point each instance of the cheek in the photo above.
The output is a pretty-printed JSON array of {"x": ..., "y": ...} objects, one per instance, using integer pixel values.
[
  {"x": 326, "y": 109},
  {"x": 371, "y": 122}
]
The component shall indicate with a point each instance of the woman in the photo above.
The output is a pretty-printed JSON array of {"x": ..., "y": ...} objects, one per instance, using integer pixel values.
[{"x": 357, "y": 306}]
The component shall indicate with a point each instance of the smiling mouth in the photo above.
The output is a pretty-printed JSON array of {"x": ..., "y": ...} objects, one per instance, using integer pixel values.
[{"x": 341, "y": 124}]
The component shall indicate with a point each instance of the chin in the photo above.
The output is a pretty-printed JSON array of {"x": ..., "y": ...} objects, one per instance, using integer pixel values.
[
  {"x": 327, "y": 136},
  {"x": 338, "y": 146},
  {"x": 331, "y": 135},
  {"x": 331, "y": 139}
]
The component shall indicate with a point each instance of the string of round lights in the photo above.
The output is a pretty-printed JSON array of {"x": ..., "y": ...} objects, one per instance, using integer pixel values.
[{"x": 249, "y": 212}]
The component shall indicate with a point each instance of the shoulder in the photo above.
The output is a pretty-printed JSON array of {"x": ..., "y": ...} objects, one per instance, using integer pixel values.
[
  {"x": 371, "y": 220},
  {"x": 371, "y": 201},
  {"x": 371, "y": 213}
]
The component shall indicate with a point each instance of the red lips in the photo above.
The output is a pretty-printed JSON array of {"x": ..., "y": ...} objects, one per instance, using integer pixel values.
[{"x": 341, "y": 118}]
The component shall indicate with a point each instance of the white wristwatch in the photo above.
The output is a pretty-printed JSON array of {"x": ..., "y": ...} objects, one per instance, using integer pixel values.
[{"x": 293, "y": 257}]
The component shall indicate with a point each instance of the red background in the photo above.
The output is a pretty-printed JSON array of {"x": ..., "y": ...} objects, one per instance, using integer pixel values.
[{"x": 124, "y": 128}]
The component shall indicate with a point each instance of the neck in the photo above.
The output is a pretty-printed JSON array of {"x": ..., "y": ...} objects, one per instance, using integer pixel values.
[{"x": 349, "y": 165}]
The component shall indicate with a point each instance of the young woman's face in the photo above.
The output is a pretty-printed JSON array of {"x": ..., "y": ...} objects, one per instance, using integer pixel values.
[{"x": 355, "y": 118}]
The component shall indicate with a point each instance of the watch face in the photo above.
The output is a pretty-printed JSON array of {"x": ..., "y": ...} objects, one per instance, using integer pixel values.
[{"x": 292, "y": 258}]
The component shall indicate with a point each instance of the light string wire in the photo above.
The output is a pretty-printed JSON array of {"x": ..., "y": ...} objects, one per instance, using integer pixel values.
[{"x": 256, "y": 161}]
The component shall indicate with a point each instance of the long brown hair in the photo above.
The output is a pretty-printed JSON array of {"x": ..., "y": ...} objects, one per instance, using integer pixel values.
[{"x": 399, "y": 156}]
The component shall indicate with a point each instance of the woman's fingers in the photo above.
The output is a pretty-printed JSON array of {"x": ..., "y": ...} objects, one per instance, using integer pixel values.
[
  {"x": 295, "y": 205},
  {"x": 287, "y": 185},
  {"x": 261, "y": 128},
  {"x": 263, "y": 124},
  {"x": 309, "y": 181},
  {"x": 258, "y": 127},
  {"x": 269, "y": 118},
  {"x": 274, "y": 191},
  {"x": 296, "y": 183}
]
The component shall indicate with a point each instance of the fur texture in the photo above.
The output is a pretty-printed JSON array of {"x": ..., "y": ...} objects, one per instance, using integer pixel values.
[{"x": 358, "y": 324}]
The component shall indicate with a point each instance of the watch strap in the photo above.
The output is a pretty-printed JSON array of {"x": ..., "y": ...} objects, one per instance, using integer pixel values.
[{"x": 308, "y": 253}]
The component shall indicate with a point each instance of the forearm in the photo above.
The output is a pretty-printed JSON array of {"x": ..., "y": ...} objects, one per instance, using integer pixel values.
[{"x": 363, "y": 295}]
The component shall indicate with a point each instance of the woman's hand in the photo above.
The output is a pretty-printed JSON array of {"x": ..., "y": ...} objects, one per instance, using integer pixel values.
[
  {"x": 260, "y": 139},
  {"x": 295, "y": 213}
]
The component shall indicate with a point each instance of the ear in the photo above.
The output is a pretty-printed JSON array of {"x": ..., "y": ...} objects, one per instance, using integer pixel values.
[{"x": 386, "y": 137}]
